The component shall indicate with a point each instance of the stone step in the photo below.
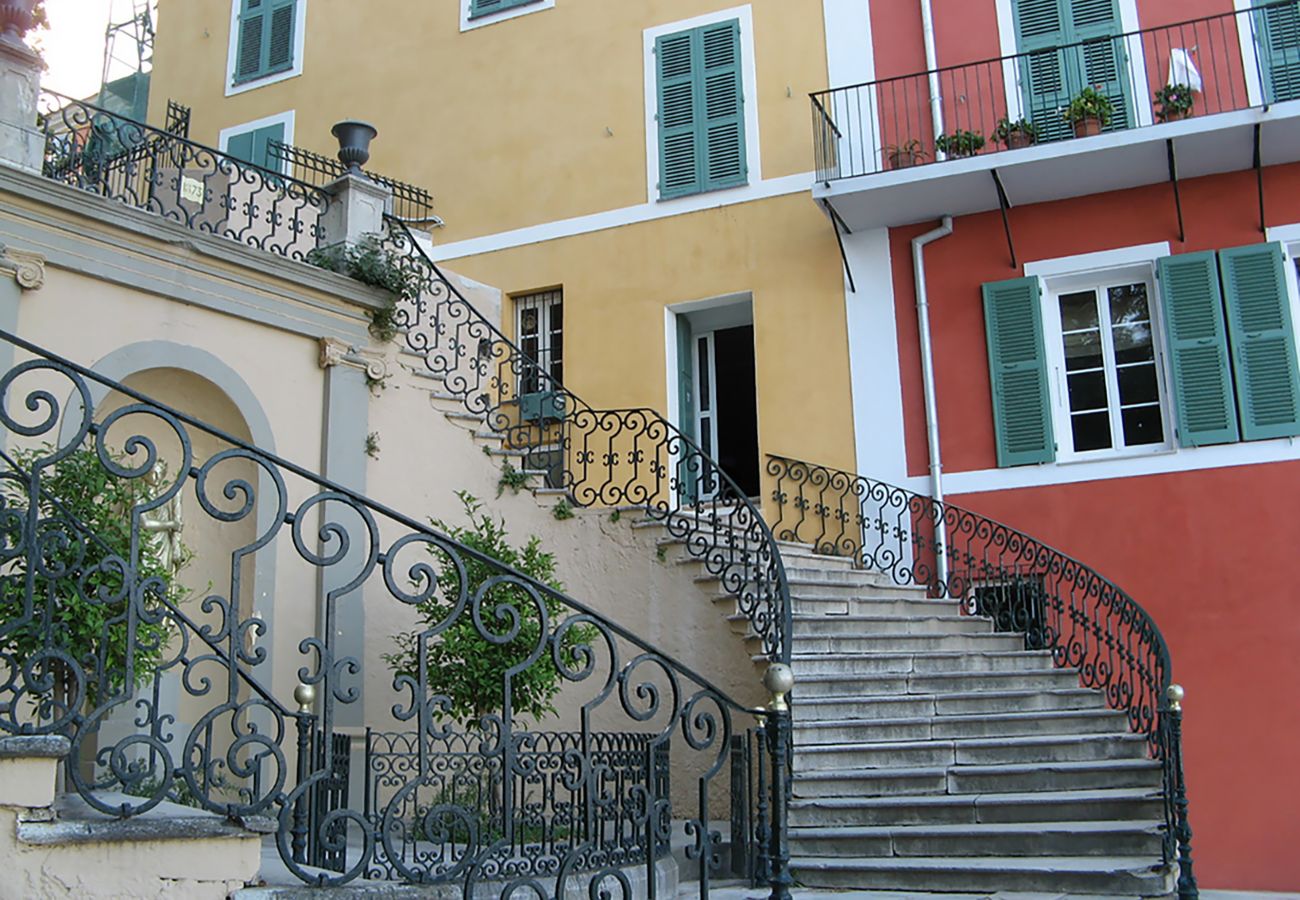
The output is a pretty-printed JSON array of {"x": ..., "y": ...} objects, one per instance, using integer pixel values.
[
  {"x": 887, "y": 624},
  {"x": 958, "y": 727},
  {"x": 801, "y": 588},
  {"x": 932, "y": 662},
  {"x": 948, "y": 683},
  {"x": 991, "y": 751},
  {"x": 1112, "y": 804},
  {"x": 1133, "y": 876},
  {"x": 814, "y": 570},
  {"x": 995, "y": 779},
  {"x": 858, "y": 642},
  {"x": 871, "y": 602},
  {"x": 900, "y": 703},
  {"x": 1137, "y": 838}
]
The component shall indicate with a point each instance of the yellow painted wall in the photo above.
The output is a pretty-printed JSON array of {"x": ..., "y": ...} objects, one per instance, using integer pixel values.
[{"x": 506, "y": 123}]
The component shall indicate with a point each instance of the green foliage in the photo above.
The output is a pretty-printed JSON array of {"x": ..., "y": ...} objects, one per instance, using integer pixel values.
[
  {"x": 616, "y": 515},
  {"x": 511, "y": 478},
  {"x": 1089, "y": 103},
  {"x": 372, "y": 445},
  {"x": 1173, "y": 101},
  {"x": 1008, "y": 130},
  {"x": 562, "y": 509},
  {"x": 462, "y": 664},
  {"x": 908, "y": 153},
  {"x": 370, "y": 263},
  {"x": 959, "y": 143},
  {"x": 84, "y": 501},
  {"x": 661, "y": 552}
]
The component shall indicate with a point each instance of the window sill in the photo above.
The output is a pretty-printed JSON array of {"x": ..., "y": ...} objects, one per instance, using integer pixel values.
[
  {"x": 469, "y": 22},
  {"x": 1116, "y": 455},
  {"x": 714, "y": 190},
  {"x": 250, "y": 84}
]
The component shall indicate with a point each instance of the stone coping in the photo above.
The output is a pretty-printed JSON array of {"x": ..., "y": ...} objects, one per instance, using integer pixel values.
[
  {"x": 76, "y": 822},
  {"x": 39, "y": 746}
]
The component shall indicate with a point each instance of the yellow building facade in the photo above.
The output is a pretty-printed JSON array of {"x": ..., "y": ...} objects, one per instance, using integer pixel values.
[{"x": 537, "y": 126}]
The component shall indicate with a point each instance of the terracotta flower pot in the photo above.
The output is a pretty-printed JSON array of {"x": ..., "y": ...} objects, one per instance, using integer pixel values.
[
  {"x": 1175, "y": 115},
  {"x": 903, "y": 161},
  {"x": 1017, "y": 140},
  {"x": 1087, "y": 127}
]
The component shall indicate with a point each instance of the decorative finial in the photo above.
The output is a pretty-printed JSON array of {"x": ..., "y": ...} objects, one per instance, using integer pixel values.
[
  {"x": 1175, "y": 693},
  {"x": 778, "y": 680},
  {"x": 15, "y": 20},
  {"x": 305, "y": 695},
  {"x": 354, "y": 143}
]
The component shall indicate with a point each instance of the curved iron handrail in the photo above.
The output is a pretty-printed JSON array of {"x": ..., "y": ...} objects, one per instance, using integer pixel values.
[
  {"x": 602, "y": 457},
  {"x": 238, "y": 758},
  {"x": 105, "y": 153},
  {"x": 1059, "y": 604}
]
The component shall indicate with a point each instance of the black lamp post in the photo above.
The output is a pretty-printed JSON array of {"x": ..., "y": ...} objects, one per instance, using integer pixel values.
[{"x": 354, "y": 143}]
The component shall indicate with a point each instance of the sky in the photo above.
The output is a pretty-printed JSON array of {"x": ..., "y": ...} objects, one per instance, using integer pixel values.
[{"x": 74, "y": 46}]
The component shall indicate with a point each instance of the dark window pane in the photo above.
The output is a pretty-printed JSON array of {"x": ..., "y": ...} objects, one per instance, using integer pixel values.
[
  {"x": 557, "y": 314},
  {"x": 1137, "y": 384},
  {"x": 528, "y": 320},
  {"x": 1091, "y": 431},
  {"x": 702, "y": 378},
  {"x": 1142, "y": 425},
  {"x": 1079, "y": 311},
  {"x": 1128, "y": 303},
  {"x": 1087, "y": 390},
  {"x": 1133, "y": 343},
  {"x": 1083, "y": 350}
]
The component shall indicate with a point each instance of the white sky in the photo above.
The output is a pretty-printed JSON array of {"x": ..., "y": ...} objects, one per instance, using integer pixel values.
[{"x": 74, "y": 45}]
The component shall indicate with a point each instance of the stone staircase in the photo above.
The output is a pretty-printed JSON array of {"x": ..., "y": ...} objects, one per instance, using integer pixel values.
[{"x": 934, "y": 755}]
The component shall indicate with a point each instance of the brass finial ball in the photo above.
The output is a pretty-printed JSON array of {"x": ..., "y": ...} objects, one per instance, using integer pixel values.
[
  {"x": 1175, "y": 693},
  {"x": 779, "y": 679},
  {"x": 305, "y": 696}
]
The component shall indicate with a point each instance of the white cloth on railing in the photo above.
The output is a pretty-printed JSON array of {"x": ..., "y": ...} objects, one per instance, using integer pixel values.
[{"x": 1182, "y": 70}]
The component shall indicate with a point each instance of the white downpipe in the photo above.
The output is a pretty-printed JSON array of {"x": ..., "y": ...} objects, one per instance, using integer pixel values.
[
  {"x": 931, "y": 66},
  {"x": 927, "y": 382}
]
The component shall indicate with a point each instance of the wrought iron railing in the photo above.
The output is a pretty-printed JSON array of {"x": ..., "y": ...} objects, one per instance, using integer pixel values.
[
  {"x": 602, "y": 457},
  {"x": 189, "y": 681},
  {"x": 1025, "y": 586},
  {"x": 1010, "y": 102},
  {"x": 410, "y": 203},
  {"x": 163, "y": 172}
]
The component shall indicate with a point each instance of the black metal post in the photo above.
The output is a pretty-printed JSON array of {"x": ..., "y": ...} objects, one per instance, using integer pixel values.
[
  {"x": 779, "y": 734},
  {"x": 1187, "y": 888},
  {"x": 306, "y": 726},
  {"x": 762, "y": 834}
]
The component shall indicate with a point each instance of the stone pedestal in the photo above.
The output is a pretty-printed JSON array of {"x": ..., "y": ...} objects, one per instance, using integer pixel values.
[
  {"x": 357, "y": 207},
  {"x": 22, "y": 144}
]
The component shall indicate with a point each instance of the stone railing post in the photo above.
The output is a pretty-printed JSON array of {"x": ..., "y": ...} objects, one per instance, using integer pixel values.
[
  {"x": 22, "y": 144},
  {"x": 357, "y": 204}
]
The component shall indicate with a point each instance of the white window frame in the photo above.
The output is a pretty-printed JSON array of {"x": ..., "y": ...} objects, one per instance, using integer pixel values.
[
  {"x": 232, "y": 53},
  {"x": 1249, "y": 52},
  {"x": 1289, "y": 237},
  {"x": 1093, "y": 270},
  {"x": 519, "y": 301},
  {"x": 285, "y": 118},
  {"x": 749, "y": 89},
  {"x": 468, "y": 24}
]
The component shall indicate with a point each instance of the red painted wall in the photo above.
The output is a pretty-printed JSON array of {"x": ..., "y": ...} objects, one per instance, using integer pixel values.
[{"x": 1209, "y": 554}]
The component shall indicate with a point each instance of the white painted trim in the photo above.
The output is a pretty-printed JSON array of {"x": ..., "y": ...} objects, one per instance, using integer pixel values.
[
  {"x": 299, "y": 43},
  {"x": 627, "y": 215},
  {"x": 851, "y": 59},
  {"x": 749, "y": 88},
  {"x": 1118, "y": 258},
  {"x": 1289, "y": 237},
  {"x": 1246, "y": 39},
  {"x": 284, "y": 118},
  {"x": 468, "y": 24},
  {"x": 671, "y": 404},
  {"x": 1010, "y": 69}
]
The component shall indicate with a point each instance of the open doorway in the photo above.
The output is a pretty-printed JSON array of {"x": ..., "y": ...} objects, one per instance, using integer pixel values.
[{"x": 716, "y": 388}]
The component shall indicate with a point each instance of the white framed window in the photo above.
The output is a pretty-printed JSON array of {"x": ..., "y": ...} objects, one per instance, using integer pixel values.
[
  {"x": 267, "y": 39},
  {"x": 1106, "y": 361},
  {"x": 478, "y": 13},
  {"x": 539, "y": 322},
  {"x": 249, "y": 141}
]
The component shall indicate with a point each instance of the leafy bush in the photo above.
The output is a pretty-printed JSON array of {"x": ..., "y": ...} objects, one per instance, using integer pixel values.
[
  {"x": 1090, "y": 103},
  {"x": 465, "y": 666},
  {"x": 1173, "y": 101},
  {"x": 370, "y": 263},
  {"x": 1008, "y": 130},
  {"x": 959, "y": 143}
]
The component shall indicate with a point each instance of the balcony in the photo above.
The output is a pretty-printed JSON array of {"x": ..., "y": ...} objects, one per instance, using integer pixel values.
[{"x": 998, "y": 132}]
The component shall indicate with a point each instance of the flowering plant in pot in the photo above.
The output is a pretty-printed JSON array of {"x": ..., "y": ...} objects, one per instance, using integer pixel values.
[
  {"x": 1015, "y": 134},
  {"x": 1174, "y": 102},
  {"x": 959, "y": 143},
  {"x": 1089, "y": 112},
  {"x": 906, "y": 154}
]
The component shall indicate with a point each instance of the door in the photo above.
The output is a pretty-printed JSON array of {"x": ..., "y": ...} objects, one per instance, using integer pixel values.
[{"x": 725, "y": 420}]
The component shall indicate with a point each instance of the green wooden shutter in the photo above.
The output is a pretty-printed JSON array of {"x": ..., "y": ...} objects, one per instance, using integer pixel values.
[
  {"x": 1198, "y": 349},
  {"x": 265, "y": 38},
  {"x": 701, "y": 110},
  {"x": 1262, "y": 339},
  {"x": 1022, "y": 420},
  {"x": 253, "y": 146},
  {"x": 1277, "y": 36},
  {"x": 487, "y": 7},
  {"x": 724, "y": 114},
  {"x": 252, "y": 26},
  {"x": 1051, "y": 77}
]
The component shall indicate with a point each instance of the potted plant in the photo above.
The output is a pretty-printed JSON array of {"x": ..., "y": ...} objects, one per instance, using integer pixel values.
[
  {"x": 1089, "y": 112},
  {"x": 1015, "y": 134},
  {"x": 1174, "y": 102},
  {"x": 901, "y": 156},
  {"x": 959, "y": 143}
]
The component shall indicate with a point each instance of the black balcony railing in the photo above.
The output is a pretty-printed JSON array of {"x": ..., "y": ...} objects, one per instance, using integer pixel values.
[
  {"x": 166, "y": 697},
  {"x": 160, "y": 170},
  {"x": 1138, "y": 78},
  {"x": 1058, "y": 603},
  {"x": 410, "y": 203}
]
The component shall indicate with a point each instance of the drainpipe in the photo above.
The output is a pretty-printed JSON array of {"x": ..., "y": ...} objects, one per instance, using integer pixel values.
[
  {"x": 927, "y": 376},
  {"x": 932, "y": 65}
]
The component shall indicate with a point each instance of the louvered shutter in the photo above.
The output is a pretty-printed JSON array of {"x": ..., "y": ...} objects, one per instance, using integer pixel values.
[
  {"x": 487, "y": 7},
  {"x": 724, "y": 125},
  {"x": 279, "y": 51},
  {"x": 1261, "y": 335},
  {"x": 1198, "y": 349},
  {"x": 1101, "y": 59},
  {"x": 252, "y": 25},
  {"x": 679, "y": 120},
  {"x": 255, "y": 146},
  {"x": 1277, "y": 35},
  {"x": 1022, "y": 420}
]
